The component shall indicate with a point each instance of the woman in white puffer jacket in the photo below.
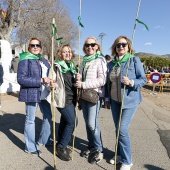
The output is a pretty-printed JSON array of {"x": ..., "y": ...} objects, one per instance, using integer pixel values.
[{"x": 93, "y": 76}]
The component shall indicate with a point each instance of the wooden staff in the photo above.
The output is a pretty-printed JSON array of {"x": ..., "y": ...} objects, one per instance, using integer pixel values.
[
  {"x": 74, "y": 133},
  {"x": 120, "y": 117},
  {"x": 52, "y": 97}
]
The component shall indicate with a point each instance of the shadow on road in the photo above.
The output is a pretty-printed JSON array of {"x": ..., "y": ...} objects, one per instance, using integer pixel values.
[
  {"x": 81, "y": 145},
  {"x": 11, "y": 123},
  {"x": 165, "y": 139},
  {"x": 15, "y": 122},
  {"x": 151, "y": 167}
]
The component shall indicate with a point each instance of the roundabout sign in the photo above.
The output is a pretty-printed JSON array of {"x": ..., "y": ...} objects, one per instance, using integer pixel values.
[{"x": 155, "y": 77}]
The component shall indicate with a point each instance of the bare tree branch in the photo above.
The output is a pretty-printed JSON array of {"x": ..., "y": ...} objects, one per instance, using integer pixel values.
[{"x": 32, "y": 19}]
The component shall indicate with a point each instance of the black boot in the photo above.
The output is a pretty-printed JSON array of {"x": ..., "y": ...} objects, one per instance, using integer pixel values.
[
  {"x": 63, "y": 154},
  {"x": 69, "y": 150}
]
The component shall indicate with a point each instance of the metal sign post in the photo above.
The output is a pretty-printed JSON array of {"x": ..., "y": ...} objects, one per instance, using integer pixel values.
[{"x": 155, "y": 78}]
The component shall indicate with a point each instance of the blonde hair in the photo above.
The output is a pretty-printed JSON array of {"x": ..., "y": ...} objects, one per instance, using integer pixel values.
[
  {"x": 97, "y": 43},
  {"x": 59, "y": 52},
  {"x": 29, "y": 41},
  {"x": 130, "y": 48}
]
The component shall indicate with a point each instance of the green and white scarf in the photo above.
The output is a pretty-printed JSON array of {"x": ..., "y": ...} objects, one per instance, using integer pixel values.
[
  {"x": 65, "y": 67},
  {"x": 27, "y": 56},
  {"x": 123, "y": 60},
  {"x": 93, "y": 57}
]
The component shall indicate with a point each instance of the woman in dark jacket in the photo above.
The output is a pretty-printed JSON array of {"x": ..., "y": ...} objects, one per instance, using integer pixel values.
[
  {"x": 65, "y": 98},
  {"x": 32, "y": 77}
]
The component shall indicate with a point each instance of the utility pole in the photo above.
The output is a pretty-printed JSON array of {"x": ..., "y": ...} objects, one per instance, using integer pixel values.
[{"x": 101, "y": 37}]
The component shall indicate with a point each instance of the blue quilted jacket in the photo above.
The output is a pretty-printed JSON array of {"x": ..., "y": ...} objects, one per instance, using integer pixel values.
[{"x": 29, "y": 78}]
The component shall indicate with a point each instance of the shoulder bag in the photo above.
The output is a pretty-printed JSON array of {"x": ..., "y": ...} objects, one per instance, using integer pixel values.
[{"x": 89, "y": 95}]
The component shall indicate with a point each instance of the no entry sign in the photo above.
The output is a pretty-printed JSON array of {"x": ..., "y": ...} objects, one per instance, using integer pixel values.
[{"x": 155, "y": 77}]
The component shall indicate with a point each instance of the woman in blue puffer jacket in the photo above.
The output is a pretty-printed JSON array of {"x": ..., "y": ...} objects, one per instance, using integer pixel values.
[{"x": 32, "y": 76}]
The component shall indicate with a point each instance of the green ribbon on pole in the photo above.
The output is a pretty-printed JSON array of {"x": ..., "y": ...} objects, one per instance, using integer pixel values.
[
  {"x": 59, "y": 40},
  {"x": 143, "y": 24},
  {"x": 55, "y": 29},
  {"x": 79, "y": 18},
  {"x": 55, "y": 32}
]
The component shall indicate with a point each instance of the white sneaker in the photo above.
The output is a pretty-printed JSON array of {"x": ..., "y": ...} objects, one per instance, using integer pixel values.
[
  {"x": 126, "y": 167},
  {"x": 118, "y": 160}
]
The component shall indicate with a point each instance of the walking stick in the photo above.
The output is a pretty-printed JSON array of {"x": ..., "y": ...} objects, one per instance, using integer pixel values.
[
  {"x": 52, "y": 97},
  {"x": 120, "y": 117},
  {"x": 74, "y": 133}
]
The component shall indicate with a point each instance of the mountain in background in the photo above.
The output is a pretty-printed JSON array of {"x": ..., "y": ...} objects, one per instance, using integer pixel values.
[{"x": 141, "y": 54}]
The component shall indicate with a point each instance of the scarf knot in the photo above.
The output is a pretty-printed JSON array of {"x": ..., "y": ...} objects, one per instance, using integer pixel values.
[
  {"x": 28, "y": 55},
  {"x": 93, "y": 57},
  {"x": 65, "y": 67},
  {"x": 123, "y": 60}
]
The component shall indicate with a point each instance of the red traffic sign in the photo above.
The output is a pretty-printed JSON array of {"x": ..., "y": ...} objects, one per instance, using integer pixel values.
[{"x": 155, "y": 77}]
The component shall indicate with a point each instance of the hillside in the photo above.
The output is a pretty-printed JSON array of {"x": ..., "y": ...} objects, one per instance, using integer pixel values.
[{"x": 142, "y": 54}]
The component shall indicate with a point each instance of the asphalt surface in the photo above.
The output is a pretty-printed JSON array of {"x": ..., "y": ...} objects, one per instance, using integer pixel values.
[{"x": 150, "y": 137}]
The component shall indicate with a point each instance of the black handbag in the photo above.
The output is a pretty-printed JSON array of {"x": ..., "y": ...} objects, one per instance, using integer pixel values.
[{"x": 89, "y": 95}]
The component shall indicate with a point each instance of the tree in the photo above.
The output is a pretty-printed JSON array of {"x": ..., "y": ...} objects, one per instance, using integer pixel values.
[
  {"x": 26, "y": 19},
  {"x": 7, "y": 19},
  {"x": 156, "y": 62}
]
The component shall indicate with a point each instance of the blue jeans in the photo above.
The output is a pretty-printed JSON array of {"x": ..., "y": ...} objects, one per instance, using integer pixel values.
[
  {"x": 124, "y": 144},
  {"x": 66, "y": 126},
  {"x": 91, "y": 113},
  {"x": 29, "y": 131}
]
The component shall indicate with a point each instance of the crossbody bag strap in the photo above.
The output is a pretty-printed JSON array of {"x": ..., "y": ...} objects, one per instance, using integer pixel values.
[{"x": 84, "y": 75}]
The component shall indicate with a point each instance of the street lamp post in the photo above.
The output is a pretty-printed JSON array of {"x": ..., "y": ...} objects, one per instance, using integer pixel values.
[{"x": 101, "y": 37}]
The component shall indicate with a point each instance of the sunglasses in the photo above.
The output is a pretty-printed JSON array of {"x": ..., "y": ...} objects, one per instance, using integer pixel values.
[
  {"x": 64, "y": 52},
  {"x": 35, "y": 45},
  {"x": 121, "y": 44},
  {"x": 92, "y": 45}
]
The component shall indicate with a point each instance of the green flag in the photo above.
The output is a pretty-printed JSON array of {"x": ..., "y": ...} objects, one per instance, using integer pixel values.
[
  {"x": 59, "y": 40},
  {"x": 79, "y": 18},
  {"x": 55, "y": 30},
  {"x": 143, "y": 24}
]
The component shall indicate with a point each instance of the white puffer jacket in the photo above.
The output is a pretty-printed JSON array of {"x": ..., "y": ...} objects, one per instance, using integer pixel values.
[{"x": 96, "y": 74}]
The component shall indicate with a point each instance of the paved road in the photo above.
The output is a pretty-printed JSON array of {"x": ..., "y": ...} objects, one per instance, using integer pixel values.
[{"x": 150, "y": 130}]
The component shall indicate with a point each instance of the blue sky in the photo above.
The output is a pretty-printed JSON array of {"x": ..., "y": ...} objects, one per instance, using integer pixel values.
[{"x": 117, "y": 17}]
